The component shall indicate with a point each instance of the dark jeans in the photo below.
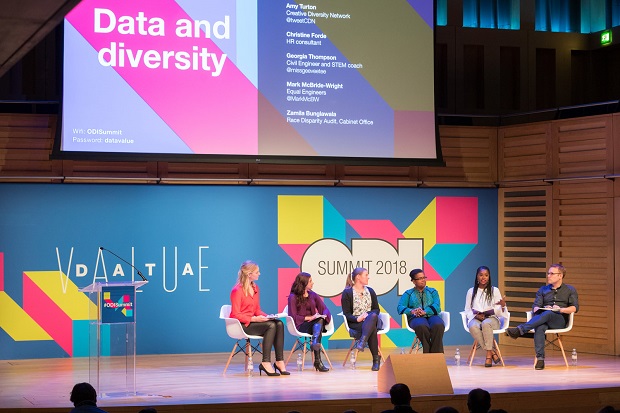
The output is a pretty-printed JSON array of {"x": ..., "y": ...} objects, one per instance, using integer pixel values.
[
  {"x": 430, "y": 332},
  {"x": 367, "y": 329},
  {"x": 272, "y": 332},
  {"x": 541, "y": 323}
]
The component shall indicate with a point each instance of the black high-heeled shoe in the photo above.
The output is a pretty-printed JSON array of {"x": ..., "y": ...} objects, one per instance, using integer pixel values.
[
  {"x": 262, "y": 368},
  {"x": 319, "y": 366},
  {"x": 318, "y": 363},
  {"x": 282, "y": 372}
]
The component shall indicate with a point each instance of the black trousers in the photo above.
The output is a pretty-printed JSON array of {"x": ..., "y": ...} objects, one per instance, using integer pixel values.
[{"x": 272, "y": 332}]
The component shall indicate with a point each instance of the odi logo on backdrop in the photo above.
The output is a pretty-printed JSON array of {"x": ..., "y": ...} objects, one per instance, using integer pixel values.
[{"x": 330, "y": 261}]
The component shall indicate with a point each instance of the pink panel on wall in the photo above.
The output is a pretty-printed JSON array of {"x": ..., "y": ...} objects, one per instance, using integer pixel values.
[
  {"x": 380, "y": 228},
  {"x": 457, "y": 220},
  {"x": 286, "y": 276},
  {"x": 48, "y": 315}
]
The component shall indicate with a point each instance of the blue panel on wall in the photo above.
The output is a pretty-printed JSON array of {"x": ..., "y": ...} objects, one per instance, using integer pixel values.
[
  {"x": 335, "y": 225},
  {"x": 445, "y": 258}
]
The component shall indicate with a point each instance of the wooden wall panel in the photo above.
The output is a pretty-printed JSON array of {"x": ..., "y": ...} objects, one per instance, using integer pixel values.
[
  {"x": 583, "y": 227},
  {"x": 525, "y": 222},
  {"x": 579, "y": 227},
  {"x": 201, "y": 170},
  {"x": 582, "y": 147},
  {"x": 271, "y": 174},
  {"x": 583, "y": 235},
  {"x": 470, "y": 155},
  {"x": 26, "y": 144},
  {"x": 615, "y": 142},
  {"x": 524, "y": 152},
  {"x": 616, "y": 280},
  {"x": 350, "y": 175}
]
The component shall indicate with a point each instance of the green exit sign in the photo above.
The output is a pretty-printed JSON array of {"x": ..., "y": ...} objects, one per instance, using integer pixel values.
[{"x": 606, "y": 37}]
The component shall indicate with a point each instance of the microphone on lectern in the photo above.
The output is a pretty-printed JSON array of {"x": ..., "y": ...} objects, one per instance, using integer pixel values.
[{"x": 126, "y": 262}]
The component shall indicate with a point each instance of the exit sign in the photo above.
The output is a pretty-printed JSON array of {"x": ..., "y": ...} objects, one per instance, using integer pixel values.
[{"x": 606, "y": 37}]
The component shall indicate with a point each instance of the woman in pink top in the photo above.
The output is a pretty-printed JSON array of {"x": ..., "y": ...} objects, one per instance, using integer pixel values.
[{"x": 245, "y": 300}]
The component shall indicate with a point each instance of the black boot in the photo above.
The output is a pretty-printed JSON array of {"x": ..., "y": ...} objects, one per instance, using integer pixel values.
[
  {"x": 317, "y": 329},
  {"x": 361, "y": 343},
  {"x": 318, "y": 364},
  {"x": 376, "y": 362}
]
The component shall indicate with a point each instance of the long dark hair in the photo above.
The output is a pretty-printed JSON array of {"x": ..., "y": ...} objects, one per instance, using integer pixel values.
[
  {"x": 299, "y": 286},
  {"x": 488, "y": 290}
]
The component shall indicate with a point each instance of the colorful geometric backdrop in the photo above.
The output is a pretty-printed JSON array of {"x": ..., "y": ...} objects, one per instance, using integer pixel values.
[
  {"x": 448, "y": 226},
  {"x": 189, "y": 243}
]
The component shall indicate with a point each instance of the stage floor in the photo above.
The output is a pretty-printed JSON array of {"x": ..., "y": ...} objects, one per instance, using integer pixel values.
[{"x": 196, "y": 382}]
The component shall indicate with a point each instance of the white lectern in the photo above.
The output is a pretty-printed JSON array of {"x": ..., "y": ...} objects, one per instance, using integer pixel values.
[{"x": 112, "y": 338}]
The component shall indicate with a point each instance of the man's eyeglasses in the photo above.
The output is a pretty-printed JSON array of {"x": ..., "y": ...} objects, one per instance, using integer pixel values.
[
  {"x": 421, "y": 278},
  {"x": 554, "y": 273}
]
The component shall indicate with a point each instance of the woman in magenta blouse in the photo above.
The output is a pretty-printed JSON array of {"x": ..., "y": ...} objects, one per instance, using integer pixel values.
[
  {"x": 309, "y": 314},
  {"x": 245, "y": 300}
]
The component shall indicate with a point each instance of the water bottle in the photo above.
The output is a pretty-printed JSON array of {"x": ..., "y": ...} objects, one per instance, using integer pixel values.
[
  {"x": 250, "y": 367},
  {"x": 573, "y": 358},
  {"x": 300, "y": 362},
  {"x": 353, "y": 360},
  {"x": 402, "y": 350},
  {"x": 457, "y": 357}
]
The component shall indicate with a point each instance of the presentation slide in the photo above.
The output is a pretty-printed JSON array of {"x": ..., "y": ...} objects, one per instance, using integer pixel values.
[{"x": 251, "y": 78}]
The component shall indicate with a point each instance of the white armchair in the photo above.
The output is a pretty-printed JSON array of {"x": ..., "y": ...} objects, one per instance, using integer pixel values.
[
  {"x": 416, "y": 344},
  {"x": 504, "y": 323},
  {"x": 235, "y": 331},
  {"x": 303, "y": 340}
]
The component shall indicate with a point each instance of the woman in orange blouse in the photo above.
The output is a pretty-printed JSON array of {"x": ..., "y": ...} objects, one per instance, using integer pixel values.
[{"x": 245, "y": 300}]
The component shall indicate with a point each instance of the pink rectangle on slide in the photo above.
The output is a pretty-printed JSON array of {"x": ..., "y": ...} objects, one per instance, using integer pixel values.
[
  {"x": 414, "y": 134},
  {"x": 212, "y": 114}
]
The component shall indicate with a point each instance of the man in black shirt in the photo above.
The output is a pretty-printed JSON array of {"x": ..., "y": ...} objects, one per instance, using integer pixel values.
[{"x": 552, "y": 306}]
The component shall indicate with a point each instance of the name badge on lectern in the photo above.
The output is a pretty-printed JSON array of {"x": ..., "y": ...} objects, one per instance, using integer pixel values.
[{"x": 118, "y": 304}]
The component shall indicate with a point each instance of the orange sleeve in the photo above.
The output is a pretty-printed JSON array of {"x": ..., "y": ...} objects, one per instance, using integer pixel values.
[{"x": 236, "y": 301}]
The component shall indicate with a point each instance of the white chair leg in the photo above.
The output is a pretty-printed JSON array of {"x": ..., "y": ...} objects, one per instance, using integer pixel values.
[
  {"x": 303, "y": 358},
  {"x": 326, "y": 357},
  {"x": 472, "y": 353},
  {"x": 248, "y": 352},
  {"x": 559, "y": 340},
  {"x": 292, "y": 351},
  {"x": 499, "y": 353},
  {"x": 344, "y": 363},
  {"x": 552, "y": 342},
  {"x": 232, "y": 353}
]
